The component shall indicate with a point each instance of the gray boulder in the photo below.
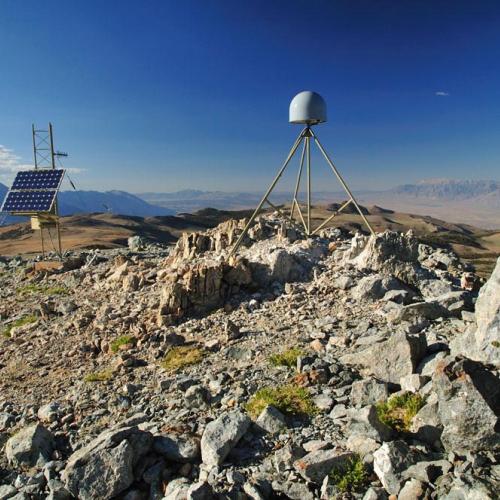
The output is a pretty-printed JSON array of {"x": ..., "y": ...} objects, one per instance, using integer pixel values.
[
  {"x": 412, "y": 490},
  {"x": 177, "y": 448},
  {"x": 105, "y": 467},
  {"x": 31, "y": 446},
  {"x": 199, "y": 491},
  {"x": 7, "y": 491},
  {"x": 316, "y": 465},
  {"x": 426, "y": 424},
  {"x": 467, "y": 487},
  {"x": 375, "y": 287},
  {"x": 368, "y": 392},
  {"x": 391, "y": 359},
  {"x": 373, "y": 493},
  {"x": 389, "y": 463},
  {"x": 365, "y": 422},
  {"x": 177, "y": 489},
  {"x": 431, "y": 288},
  {"x": 469, "y": 406},
  {"x": 271, "y": 420},
  {"x": 430, "y": 310},
  {"x": 483, "y": 343},
  {"x": 221, "y": 435}
]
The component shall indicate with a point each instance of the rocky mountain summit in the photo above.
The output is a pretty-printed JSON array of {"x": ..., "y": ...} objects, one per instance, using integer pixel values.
[{"x": 340, "y": 366}]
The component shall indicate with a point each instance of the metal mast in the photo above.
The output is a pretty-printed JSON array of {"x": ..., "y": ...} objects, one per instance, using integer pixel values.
[{"x": 45, "y": 158}]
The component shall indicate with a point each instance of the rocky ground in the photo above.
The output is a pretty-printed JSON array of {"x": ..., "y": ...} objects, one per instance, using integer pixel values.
[{"x": 336, "y": 367}]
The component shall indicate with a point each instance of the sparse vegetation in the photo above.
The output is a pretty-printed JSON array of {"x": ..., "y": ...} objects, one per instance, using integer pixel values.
[
  {"x": 182, "y": 356},
  {"x": 102, "y": 376},
  {"x": 495, "y": 343},
  {"x": 398, "y": 410},
  {"x": 123, "y": 341},
  {"x": 25, "y": 320},
  {"x": 352, "y": 478},
  {"x": 36, "y": 288},
  {"x": 286, "y": 358},
  {"x": 290, "y": 399}
]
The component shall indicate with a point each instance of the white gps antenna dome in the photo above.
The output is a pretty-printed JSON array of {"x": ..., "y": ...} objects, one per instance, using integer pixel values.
[{"x": 308, "y": 108}]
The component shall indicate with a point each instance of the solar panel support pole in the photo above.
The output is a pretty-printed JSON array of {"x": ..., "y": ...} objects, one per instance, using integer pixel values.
[
  {"x": 33, "y": 134},
  {"x": 52, "y": 155}
]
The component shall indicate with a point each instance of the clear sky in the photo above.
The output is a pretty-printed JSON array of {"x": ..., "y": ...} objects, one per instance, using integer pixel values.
[{"x": 167, "y": 95}]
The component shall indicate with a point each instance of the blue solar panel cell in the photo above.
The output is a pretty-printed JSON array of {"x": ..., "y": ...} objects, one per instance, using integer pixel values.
[
  {"x": 38, "y": 179},
  {"x": 29, "y": 201}
]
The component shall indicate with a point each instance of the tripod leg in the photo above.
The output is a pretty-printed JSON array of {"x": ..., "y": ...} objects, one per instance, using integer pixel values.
[
  {"x": 344, "y": 185},
  {"x": 308, "y": 139},
  {"x": 268, "y": 192},
  {"x": 297, "y": 184}
]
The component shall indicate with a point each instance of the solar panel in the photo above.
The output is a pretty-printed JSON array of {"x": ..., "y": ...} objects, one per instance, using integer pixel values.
[
  {"x": 29, "y": 201},
  {"x": 38, "y": 179}
]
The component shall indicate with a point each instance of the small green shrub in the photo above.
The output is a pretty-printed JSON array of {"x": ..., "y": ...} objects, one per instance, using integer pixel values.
[
  {"x": 352, "y": 478},
  {"x": 398, "y": 410},
  {"x": 123, "y": 340},
  {"x": 290, "y": 399},
  {"x": 182, "y": 356},
  {"x": 495, "y": 343},
  {"x": 25, "y": 320},
  {"x": 102, "y": 376},
  {"x": 286, "y": 358}
]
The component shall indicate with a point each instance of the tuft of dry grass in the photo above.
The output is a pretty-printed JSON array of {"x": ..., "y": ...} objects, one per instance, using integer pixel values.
[
  {"x": 398, "y": 411},
  {"x": 289, "y": 399},
  {"x": 181, "y": 357},
  {"x": 25, "y": 320},
  {"x": 124, "y": 340},
  {"x": 286, "y": 358},
  {"x": 102, "y": 376},
  {"x": 352, "y": 478}
]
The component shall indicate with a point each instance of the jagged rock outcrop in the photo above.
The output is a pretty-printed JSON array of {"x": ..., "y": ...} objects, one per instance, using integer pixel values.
[
  {"x": 203, "y": 276},
  {"x": 201, "y": 287},
  {"x": 483, "y": 342},
  {"x": 389, "y": 253}
]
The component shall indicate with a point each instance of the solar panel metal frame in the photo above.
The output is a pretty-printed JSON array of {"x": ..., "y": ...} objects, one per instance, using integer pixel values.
[
  {"x": 33, "y": 201},
  {"x": 41, "y": 174},
  {"x": 44, "y": 179}
]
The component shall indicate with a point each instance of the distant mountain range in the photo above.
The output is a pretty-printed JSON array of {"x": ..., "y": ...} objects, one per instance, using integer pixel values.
[
  {"x": 115, "y": 202},
  {"x": 468, "y": 201},
  {"x": 449, "y": 189}
]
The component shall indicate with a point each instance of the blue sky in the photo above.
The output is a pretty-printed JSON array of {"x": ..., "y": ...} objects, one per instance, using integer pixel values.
[{"x": 168, "y": 95}]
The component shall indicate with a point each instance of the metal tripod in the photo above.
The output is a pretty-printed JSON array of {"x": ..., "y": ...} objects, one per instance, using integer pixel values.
[{"x": 304, "y": 137}]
